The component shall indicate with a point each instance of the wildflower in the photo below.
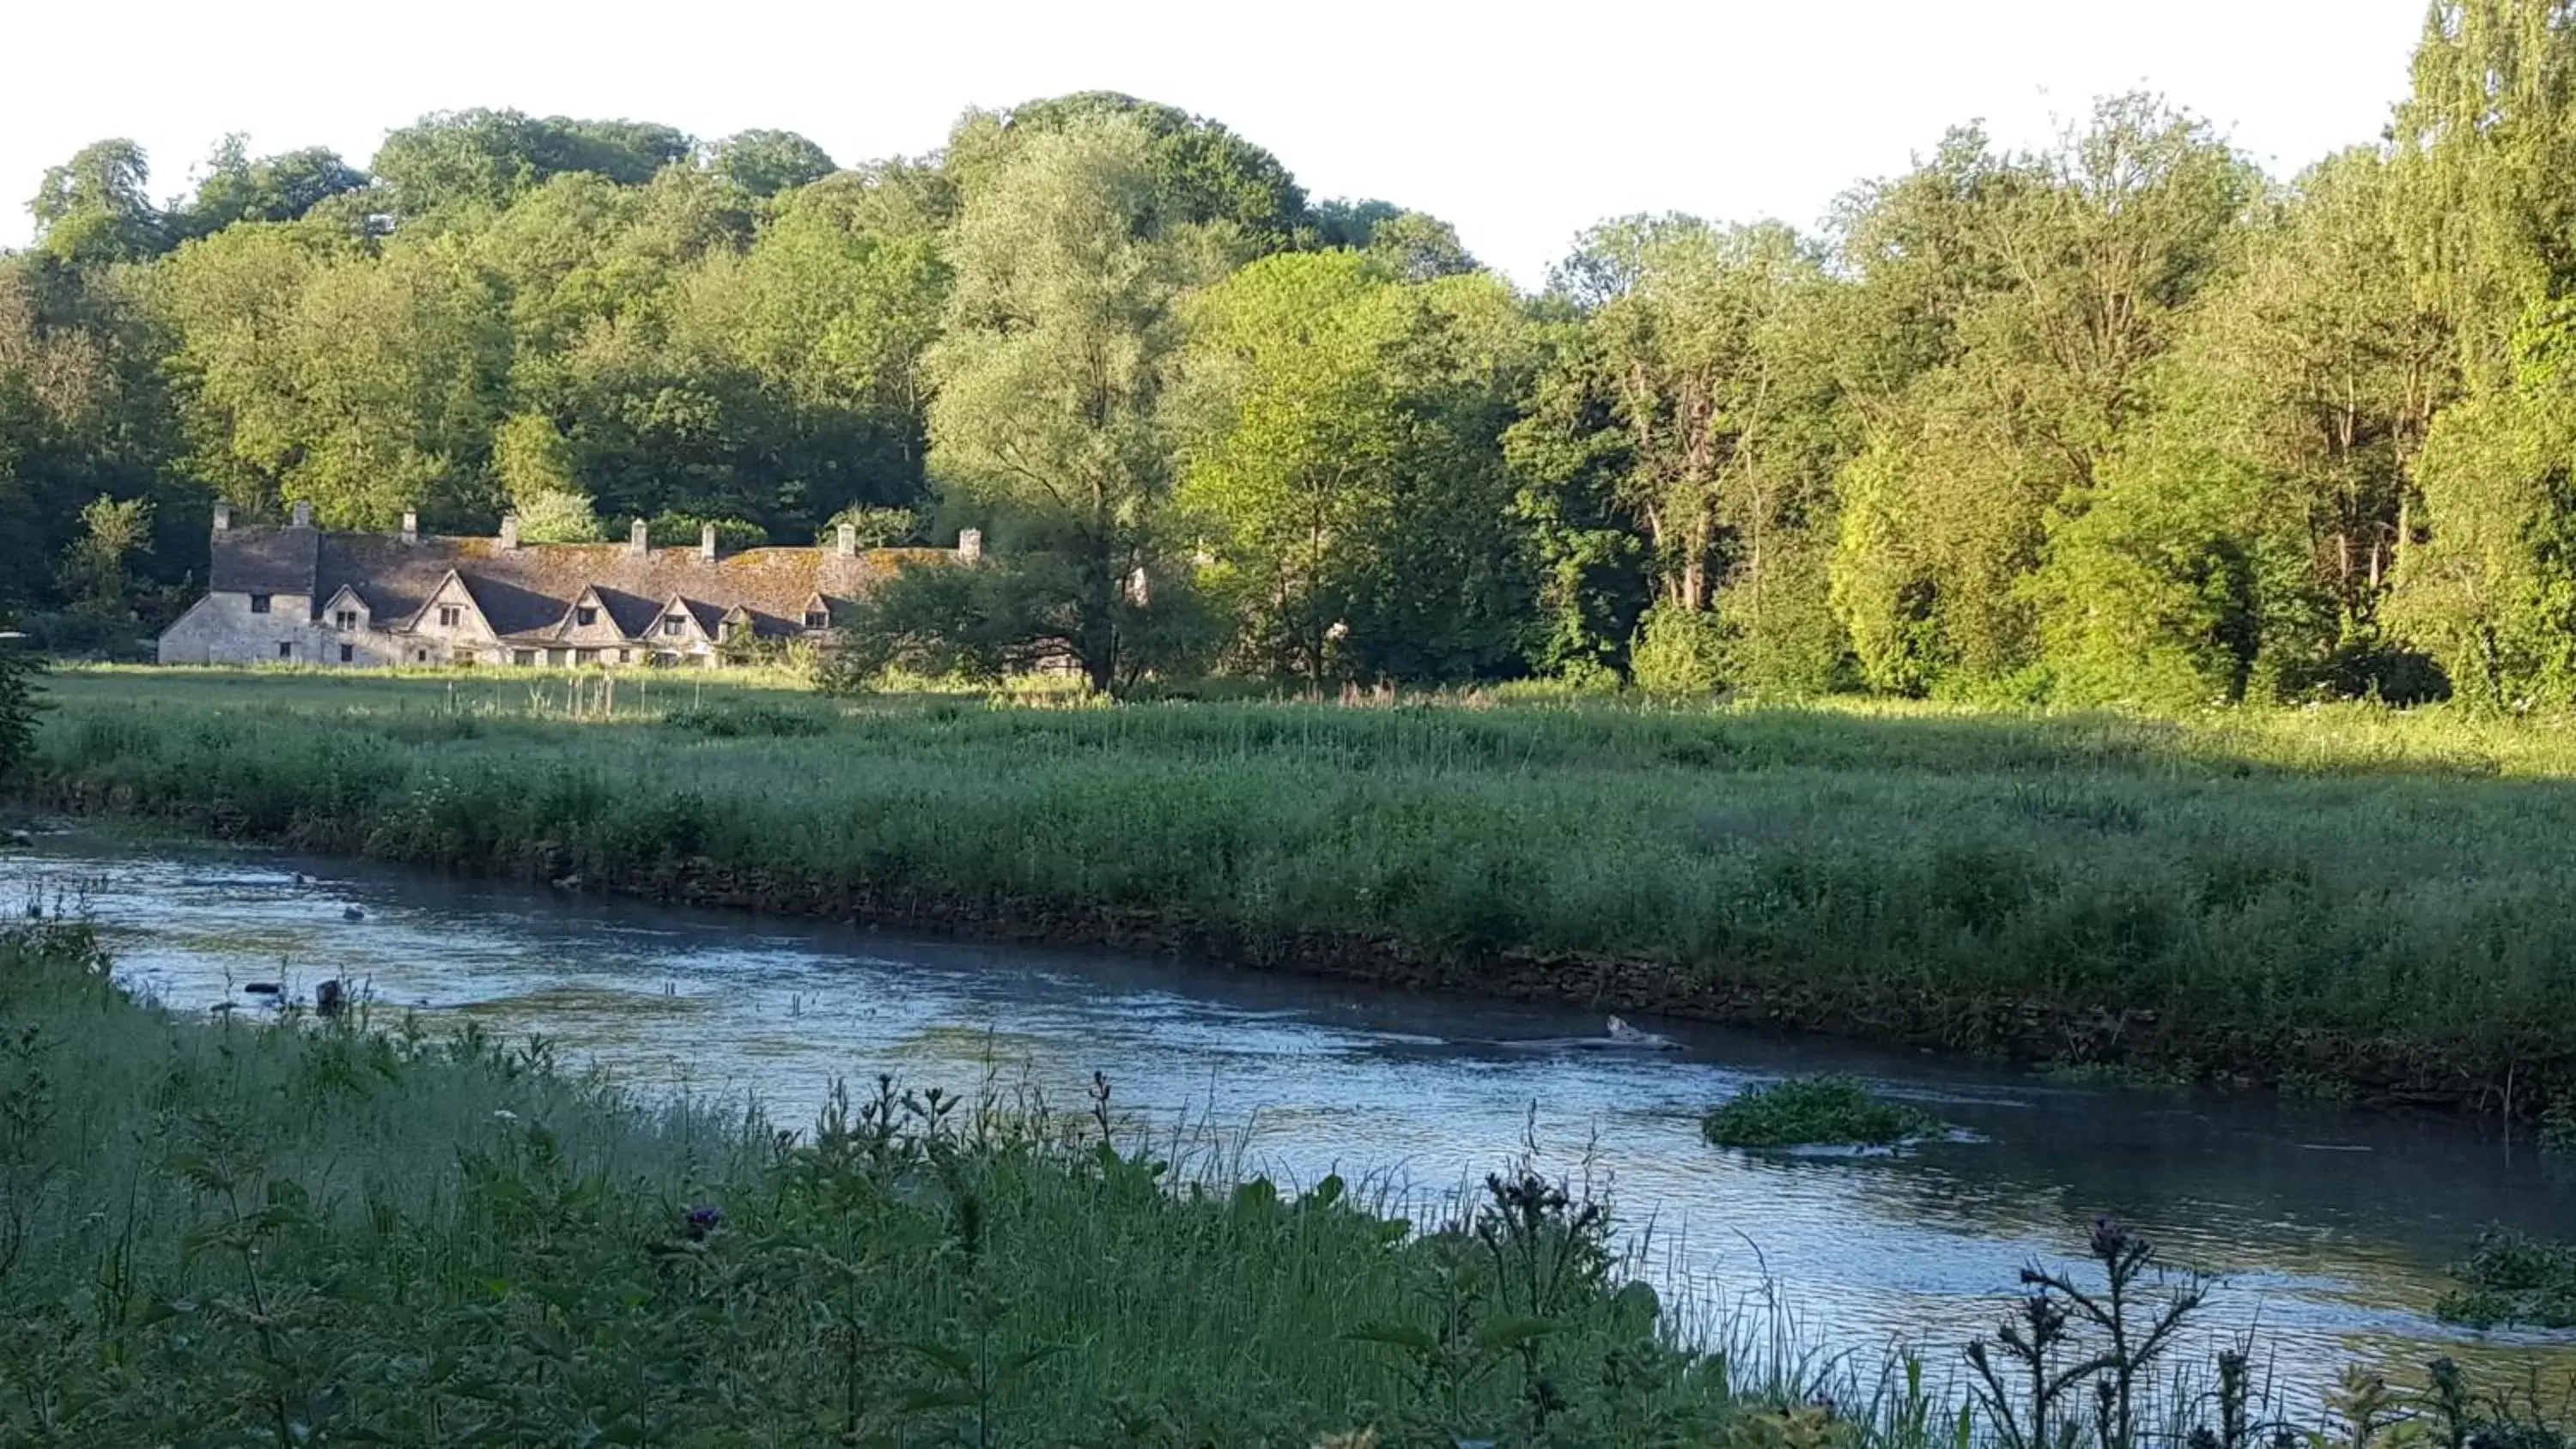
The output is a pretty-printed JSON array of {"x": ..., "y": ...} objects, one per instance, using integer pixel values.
[
  {"x": 2109, "y": 1238},
  {"x": 705, "y": 1218}
]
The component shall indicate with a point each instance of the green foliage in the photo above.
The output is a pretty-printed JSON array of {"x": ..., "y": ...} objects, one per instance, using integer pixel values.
[
  {"x": 2115, "y": 420},
  {"x": 1679, "y": 654},
  {"x": 485, "y": 158},
  {"x": 766, "y": 163},
  {"x": 96, "y": 208},
  {"x": 2514, "y": 1278},
  {"x": 310, "y": 1232},
  {"x": 1343, "y": 476},
  {"x": 688, "y": 530},
  {"x": 2343, "y": 892},
  {"x": 872, "y": 527},
  {"x": 95, "y": 568},
  {"x": 1063, "y": 335},
  {"x": 1815, "y": 1112},
  {"x": 21, "y": 704}
]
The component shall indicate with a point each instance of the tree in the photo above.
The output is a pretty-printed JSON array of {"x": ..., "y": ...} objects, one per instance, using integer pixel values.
[
  {"x": 2491, "y": 592},
  {"x": 1999, "y": 342},
  {"x": 1202, "y": 173},
  {"x": 312, "y": 370},
  {"x": 285, "y": 187},
  {"x": 1061, "y": 339},
  {"x": 1717, "y": 428},
  {"x": 487, "y": 158},
  {"x": 766, "y": 163},
  {"x": 1345, "y": 476},
  {"x": 94, "y": 572},
  {"x": 21, "y": 704},
  {"x": 94, "y": 208},
  {"x": 2483, "y": 149}
]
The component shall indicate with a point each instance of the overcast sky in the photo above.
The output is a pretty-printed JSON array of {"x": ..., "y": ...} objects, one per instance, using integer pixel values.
[{"x": 1520, "y": 123}]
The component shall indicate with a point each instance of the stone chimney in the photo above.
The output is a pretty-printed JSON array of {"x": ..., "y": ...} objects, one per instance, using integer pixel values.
[
  {"x": 970, "y": 545},
  {"x": 223, "y": 517},
  {"x": 303, "y": 515},
  {"x": 509, "y": 531},
  {"x": 849, "y": 543},
  {"x": 411, "y": 526},
  {"x": 639, "y": 539},
  {"x": 706, "y": 543}
]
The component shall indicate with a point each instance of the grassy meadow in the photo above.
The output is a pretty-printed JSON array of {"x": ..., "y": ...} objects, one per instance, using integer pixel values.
[{"x": 2374, "y": 897}]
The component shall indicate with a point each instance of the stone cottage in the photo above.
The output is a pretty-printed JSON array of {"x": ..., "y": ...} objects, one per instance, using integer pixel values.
[{"x": 302, "y": 595}]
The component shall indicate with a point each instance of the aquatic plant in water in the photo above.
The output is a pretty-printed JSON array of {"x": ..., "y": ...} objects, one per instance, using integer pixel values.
[
  {"x": 1815, "y": 1111},
  {"x": 2514, "y": 1278}
]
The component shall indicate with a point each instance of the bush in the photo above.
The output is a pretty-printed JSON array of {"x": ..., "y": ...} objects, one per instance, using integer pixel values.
[
  {"x": 1815, "y": 1112},
  {"x": 19, "y": 706},
  {"x": 1678, "y": 653}
]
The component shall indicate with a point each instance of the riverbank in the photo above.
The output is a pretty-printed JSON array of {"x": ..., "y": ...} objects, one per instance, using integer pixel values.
[
  {"x": 2346, "y": 900},
  {"x": 301, "y": 1232}
]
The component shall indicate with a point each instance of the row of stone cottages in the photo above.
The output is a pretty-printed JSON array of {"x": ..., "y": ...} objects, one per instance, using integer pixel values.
[{"x": 302, "y": 595}]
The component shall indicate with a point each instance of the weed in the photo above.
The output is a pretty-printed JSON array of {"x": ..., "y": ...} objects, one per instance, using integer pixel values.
[
  {"x": 1815, "y": 1111},
  {"x": 2513, "y": 1278}
]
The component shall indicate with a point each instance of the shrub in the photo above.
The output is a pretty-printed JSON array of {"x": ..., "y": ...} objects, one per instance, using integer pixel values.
[
  {"x": 1678, "y": 653},
  {"x": 1812, "y": 1112}
]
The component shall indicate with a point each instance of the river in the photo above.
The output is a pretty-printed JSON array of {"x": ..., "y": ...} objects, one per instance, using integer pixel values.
[{"x": 2330, "y": 1227}]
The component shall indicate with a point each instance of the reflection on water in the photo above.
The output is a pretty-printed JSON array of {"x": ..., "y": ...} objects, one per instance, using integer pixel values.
[{"x": 2330, "y": 1227}]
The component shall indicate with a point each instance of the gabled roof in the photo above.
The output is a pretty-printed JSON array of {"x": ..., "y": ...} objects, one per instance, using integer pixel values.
[
  {"x": 264, "y": 561},
  {"x": 532, "y": 588}
]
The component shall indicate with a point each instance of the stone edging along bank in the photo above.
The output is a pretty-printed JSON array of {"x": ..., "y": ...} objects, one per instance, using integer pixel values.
[{"x": 2386, "y": 1071}]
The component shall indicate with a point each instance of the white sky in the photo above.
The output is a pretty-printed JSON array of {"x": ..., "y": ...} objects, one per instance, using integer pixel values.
[{"x": 1519, "y": 123}]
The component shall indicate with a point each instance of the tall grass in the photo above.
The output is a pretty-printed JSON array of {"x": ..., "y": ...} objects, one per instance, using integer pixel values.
[
  {"x": 2347, "y": 894},
  {"x": 305, "y": 1233}
]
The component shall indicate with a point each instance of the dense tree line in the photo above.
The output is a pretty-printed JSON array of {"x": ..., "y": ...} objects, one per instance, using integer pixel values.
[{"x": 2119, "y": 418}]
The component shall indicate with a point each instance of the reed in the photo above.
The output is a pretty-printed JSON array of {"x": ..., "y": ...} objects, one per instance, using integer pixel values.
[{"x": 2344, "y": 896}]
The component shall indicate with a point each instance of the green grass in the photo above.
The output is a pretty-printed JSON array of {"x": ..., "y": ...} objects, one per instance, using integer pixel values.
[
  {"x": 306, "y": 1234},
  {"x": 1815, "y": 1112},
  {"x": 2345, "y": 894}
]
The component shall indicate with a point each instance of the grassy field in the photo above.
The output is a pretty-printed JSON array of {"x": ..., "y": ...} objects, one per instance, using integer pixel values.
[{"x": 2350, "y": 894}]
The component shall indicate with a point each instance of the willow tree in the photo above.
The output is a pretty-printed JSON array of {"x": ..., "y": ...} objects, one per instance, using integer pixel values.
[{"x": 1063, "y": 335}]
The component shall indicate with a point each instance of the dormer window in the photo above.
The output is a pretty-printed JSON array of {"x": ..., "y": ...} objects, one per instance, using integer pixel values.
[
  {"x": 259, "y": 603},
  {"x": 585, "y": 617},
  {"x": 345, "y": 620},
  {"x": 818, "y": 619}
]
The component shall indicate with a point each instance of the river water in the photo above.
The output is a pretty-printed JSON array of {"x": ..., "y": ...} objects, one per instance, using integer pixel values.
[{"x": 2329, "y": 1227}]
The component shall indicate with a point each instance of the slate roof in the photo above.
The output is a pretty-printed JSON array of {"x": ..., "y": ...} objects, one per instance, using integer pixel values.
[
  {"x": 265, "y": 561},
  {"x": 528, "y": 592}
]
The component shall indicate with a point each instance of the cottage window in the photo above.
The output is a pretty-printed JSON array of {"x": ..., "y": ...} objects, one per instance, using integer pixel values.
[
  {"x": 346, "y": 619},
  {"x": 285, "y": 651},
  {"x": 585, "y": 656},
  {"x": 348, "y": 653},
  {"x": 523, "y": 656},
  {"x": 450, "y": 615},
  {"x": 674, "y": 624},
  {"x": 259, "y": 603},
  {"x": 625, "y": 656},
  {"x": 420, "y": 656},
  {"x": 818, "y": 619},
  {"x": 585, "y": 617}
]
